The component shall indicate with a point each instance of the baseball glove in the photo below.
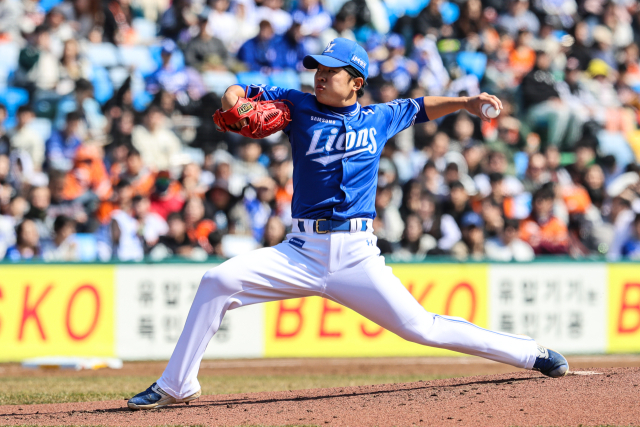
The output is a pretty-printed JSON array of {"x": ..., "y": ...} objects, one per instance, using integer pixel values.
[{"x": 264, "y": 118}]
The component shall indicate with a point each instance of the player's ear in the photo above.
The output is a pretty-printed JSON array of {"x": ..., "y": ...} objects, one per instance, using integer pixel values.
[{"x": 358, "y": 82}]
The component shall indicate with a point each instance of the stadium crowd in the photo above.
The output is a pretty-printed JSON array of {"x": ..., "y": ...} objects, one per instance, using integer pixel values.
[{"x": 108, "y": 150}]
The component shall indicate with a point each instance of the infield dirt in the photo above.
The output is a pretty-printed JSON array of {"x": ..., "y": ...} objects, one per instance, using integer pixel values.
[{"x": 590, "y": 396}]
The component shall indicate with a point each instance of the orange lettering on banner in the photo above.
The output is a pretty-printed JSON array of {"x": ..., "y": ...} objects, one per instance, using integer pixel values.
[
  {"x": 282, "y": 310},
  {"x": 472, "y": 293},
  {"x": 325, "y": 311},
  {"x": 96, "y": 296},
  {"x": 625, "y": 305},
  {"x": 32, "y": 311},
  {"x": 424, "y": 294}
]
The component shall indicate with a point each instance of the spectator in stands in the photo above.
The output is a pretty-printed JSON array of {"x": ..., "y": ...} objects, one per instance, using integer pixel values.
[
  {"x": 141, "y": 177},
  {"x": 519, "y": 17},
  {"x": 544, "y": 232},
  {"x": 177, "y": 19},
  {"x": 198, "y": 227},
  {"x": 88, "y": 179},
  {"x": 80, "y": 210},
  {"x": 206, "y": 52},
  {"x": 391, "y": 221},
  {"x": 260, "y": 53},
  {"x": 274, "y": 232},
  {"x": 26, "y": 139},
  {"x": 151, "y": 224},
  {"x": 27, "y": 245},
  {"x": 271, "y": 11},
  {"x": 457, "y": 205},
  {"x": 414, "y": 245},
  {"x": 537, "y": 173},
  {"x": 167, "y": 196},
  {"x": 38, "y": 67},
  {"x": 544, "y": 105},
  {"x": 631, "y": 248},
  {"x": 158, "y": 145},
  {"x": 94, "y": 124},
  {"x": 472, "y": 243},
  {"x": 63, "y": 246},
  {"x": 167, "y": 76},
  {"x": 121, "y": 199},
  {"x": 507, "y": 246},
  {"x": 176, "y": 241},
  {"x": 291, "y": 49},
  {"x": 442, "y": 227},
  {"x": 72, "y": 67},
  {"x": 61, "y": 147},
  {"x": 5, "y": 143},
  {"x": 397, "y": 68},
  {"x": 39, "y": 202},
  {"x": 343, "y": 25}
]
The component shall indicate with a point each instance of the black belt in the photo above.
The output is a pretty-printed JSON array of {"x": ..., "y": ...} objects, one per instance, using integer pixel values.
[{"x": 323, "y": 226}]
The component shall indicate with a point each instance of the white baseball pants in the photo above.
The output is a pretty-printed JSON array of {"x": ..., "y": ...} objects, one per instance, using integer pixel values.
[{"x": 343, "y": 267}]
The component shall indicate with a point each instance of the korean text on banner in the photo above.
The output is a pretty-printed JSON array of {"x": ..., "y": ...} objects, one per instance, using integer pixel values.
[
  {"x": 56, "y": 310},
  {"x": 316, "y": 327},
  {"x": 560, "y": 306},
  {"x": 153, "y": 302},
  {"x": 624, "y": 308}
]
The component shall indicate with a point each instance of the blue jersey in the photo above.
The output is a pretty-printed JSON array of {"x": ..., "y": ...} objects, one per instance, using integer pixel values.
[{"x": 336, "y": 151}]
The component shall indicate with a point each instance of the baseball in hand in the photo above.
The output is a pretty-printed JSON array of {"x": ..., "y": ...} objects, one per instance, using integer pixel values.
[{"x": 489, "y": 111}]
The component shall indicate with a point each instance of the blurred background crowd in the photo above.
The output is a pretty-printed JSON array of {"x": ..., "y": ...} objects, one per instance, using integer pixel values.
[{"x": 108, "y": 150}]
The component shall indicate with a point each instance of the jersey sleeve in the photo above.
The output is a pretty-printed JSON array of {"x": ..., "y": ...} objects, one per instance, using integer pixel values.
[
  {"x": 270, "y": 93},
  {"x": 402, "y": 113}
]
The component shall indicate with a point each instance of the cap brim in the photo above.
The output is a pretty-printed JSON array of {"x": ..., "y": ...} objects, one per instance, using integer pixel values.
[{"x": 311, "y": 61}]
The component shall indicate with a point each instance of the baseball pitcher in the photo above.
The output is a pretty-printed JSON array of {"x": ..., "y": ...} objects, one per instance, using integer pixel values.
[{"x": 331, "y": 251}]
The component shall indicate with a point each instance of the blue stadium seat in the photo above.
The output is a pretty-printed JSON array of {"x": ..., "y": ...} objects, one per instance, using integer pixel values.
[
  {"x": 450, "y": 12},
  {"x": 145, "y": 30},
  {"x": 118, "y": 75},
  {"x": 288, "y": 79},
  {"x": 87, "y": 246},
  {"x": 473, "y": 63},
  {"x": 141, "y": 100},
  {"x": 47, "y": 5},
  {"x": 102, "y": 86},
  {"x": 12, "y": 98},
  {"x": 253, "y": 77},
  {"x": 139, "y": 58},
  {"x": 102, "y": 54},
  {"x": 218, "y": 81},
  {"x": 9, "y": 53}
]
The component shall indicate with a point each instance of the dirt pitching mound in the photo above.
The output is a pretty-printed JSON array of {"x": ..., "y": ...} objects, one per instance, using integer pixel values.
[{"x": 587, "y": 397}]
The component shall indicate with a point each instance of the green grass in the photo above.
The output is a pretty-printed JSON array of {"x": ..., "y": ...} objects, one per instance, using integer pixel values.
[{"x": 61, "y": 389}]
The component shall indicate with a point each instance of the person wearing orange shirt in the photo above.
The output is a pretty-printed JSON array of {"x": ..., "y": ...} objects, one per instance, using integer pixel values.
[
  {"x": 544, "y": 232},
  {"x": 88, "y": 174}
]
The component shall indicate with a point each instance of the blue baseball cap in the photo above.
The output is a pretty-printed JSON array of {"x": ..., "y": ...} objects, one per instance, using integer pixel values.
[{"x": 340, "y": 52}]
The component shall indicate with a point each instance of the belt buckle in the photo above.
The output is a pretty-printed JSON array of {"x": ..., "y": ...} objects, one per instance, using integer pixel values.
[{"x": 317, "y": 227}]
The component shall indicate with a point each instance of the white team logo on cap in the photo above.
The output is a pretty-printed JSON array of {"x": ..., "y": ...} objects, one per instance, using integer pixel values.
[{"x": 329, "y": 48}]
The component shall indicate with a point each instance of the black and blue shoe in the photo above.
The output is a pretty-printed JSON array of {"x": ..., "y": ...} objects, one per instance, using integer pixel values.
[
  {"x": 155, "y": 397},
  {"x": 550, "y": 363}
]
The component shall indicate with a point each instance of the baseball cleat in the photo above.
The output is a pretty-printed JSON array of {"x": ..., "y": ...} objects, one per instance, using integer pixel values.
[
  {"x": 155, "y": 397},
  {"x": 550, "y": 363}
]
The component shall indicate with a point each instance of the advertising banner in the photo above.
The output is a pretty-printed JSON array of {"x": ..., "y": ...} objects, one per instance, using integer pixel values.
[
  {"x": 56, "y": 310},
  {"x": 152, "y": 305},
  {"x": 624, "y": 308},
  {"x": 317, "y": 327},
  {"x": 560, "y": 306}
]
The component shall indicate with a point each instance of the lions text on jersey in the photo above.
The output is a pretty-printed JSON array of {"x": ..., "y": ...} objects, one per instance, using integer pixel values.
[{"x": 336, "y": 151}]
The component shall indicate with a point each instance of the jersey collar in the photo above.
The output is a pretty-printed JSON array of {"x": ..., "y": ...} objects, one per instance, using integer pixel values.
[{"x": 350, "y": 110}]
